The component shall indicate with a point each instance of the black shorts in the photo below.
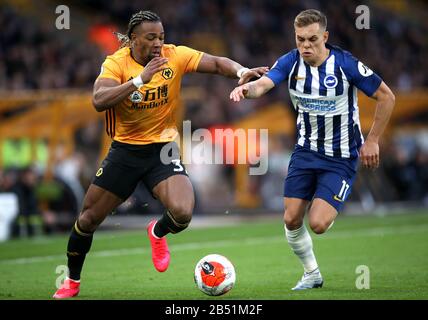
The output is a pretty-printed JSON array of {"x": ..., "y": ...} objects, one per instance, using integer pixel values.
[{"x": 126, "y": 165}]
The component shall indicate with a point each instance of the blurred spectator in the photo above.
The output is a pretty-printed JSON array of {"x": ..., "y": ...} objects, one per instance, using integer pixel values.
[
  {"x": 42, "y": 207},
  {"x": 421, "y": 164},
  {"x": 60, "y": 205},
  {"x": 29, "y": 215},
  {"x": 280, "y": 149},
  {"x": 69, "y": 170},
  {"x": 254, "y": 33},
  {"x": 18, "y": 153},
  {"x": 406, "y": 166},
  {"x": 35, "y": 57},
  {"x": 9, "y": 204}
]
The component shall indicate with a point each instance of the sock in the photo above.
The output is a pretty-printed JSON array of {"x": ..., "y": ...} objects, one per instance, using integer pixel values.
[
  {"x": 67, "y": 278},
  {"x": 79, "y": 244},
  {"x": 300, "y": 242},
  {"x": 167, "y": 224}
]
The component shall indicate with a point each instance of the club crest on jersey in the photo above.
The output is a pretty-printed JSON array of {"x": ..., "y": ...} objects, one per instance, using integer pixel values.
[
  {"x": 136, "y": 97},
  {"x": 167, "y": 73},
  {"x": 330, "y": 81}
]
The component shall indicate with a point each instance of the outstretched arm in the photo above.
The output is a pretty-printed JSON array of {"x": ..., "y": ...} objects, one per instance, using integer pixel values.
[
  {"x": 252, "y": 89},
  {"x": 229, "y": 68},
  {"x": 369, "y": 152}
]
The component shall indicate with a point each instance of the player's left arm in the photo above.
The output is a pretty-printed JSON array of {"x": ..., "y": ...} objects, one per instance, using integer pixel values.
[
  {"x": 229, "y": 68},
  {"x": 369, "y": 152}
]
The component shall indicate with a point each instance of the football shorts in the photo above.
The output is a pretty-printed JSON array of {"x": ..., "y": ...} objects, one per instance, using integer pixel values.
[
  {"x": 126, "y": 165},
  {"x": 312, "y": 175}
]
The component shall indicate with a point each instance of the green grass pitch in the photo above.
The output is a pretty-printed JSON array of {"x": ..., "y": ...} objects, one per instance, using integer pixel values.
[{"x": 394, "y": 248}]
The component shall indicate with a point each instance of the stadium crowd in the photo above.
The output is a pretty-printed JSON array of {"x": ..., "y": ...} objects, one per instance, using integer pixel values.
[
  {"x": 34, "y": 55},
  {"x": 253, "y": 32}
]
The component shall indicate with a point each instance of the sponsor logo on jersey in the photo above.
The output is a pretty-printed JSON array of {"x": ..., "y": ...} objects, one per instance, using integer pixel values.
[
  {"x": 364, "y": 70},
  {"x": 309, "y": 104}
]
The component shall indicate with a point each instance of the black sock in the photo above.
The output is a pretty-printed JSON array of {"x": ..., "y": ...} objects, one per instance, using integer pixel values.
[
  {"x": 79, "y": 244},
  {"x": 167, "y": 224}
]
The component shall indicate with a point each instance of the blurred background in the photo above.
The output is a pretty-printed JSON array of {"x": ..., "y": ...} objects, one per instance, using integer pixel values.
[{"x": 52, "y": 139}]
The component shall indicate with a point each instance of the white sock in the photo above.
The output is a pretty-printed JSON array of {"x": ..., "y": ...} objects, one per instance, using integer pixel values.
[{"x": 300, "y": 242}]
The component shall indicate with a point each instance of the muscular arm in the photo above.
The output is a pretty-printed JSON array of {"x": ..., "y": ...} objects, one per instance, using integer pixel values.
[
  {"x": 228, "y": 68},
  {"x": 252, "y": 89},
  {"x": 108, "y": 92},
  {"x": 218, "y": 65},
  {"x": 369, "y": 152},
  {"x": 385, "y": 104}
]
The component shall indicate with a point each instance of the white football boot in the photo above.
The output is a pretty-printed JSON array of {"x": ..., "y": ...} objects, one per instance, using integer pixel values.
[{"x": 310, "y": 280}]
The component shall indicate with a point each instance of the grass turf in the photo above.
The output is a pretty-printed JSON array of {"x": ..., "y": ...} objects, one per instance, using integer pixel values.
[{"x": 394, "y": 248}]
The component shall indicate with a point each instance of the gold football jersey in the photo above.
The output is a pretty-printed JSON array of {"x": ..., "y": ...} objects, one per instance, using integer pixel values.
[{"x": 148, "y": 114}]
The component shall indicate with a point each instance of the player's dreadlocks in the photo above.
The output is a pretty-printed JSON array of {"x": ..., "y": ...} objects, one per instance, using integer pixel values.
[{"x": 136, "y": 19}]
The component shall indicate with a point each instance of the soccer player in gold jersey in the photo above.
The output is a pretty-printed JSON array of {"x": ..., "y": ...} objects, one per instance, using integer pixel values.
[{"x": 138, "y": 89}]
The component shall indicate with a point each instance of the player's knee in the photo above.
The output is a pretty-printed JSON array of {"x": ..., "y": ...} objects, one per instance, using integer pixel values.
[
  {"x": 87, "y": 220},
  {"x": 181, "y": 211},
  {"x": 319, "y": 226},
  {"x": 292, "y": 221}
]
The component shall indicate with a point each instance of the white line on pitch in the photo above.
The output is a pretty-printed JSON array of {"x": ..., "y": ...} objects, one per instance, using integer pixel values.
[{"x": 372, "y": 232}]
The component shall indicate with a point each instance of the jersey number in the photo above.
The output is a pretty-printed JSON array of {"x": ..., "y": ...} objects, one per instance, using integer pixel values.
[
  {"x": 178, "y": 165},
  {"x": 343, "y": 190}
]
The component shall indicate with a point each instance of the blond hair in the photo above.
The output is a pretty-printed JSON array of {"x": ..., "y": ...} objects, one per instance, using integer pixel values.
[{"x": 308, "y": 17}]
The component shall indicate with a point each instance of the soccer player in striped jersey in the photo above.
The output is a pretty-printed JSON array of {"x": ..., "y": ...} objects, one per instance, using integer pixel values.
[
  {"x": 322, "y": 81},
  {"x": 139, "y": 89}
]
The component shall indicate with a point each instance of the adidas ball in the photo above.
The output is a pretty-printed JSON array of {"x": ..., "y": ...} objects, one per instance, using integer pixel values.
[{"x": 214, "y": 275}]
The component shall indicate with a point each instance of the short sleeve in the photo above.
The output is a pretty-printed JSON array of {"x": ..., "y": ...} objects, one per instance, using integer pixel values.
[
  {"x": 282, "y": 68},
  {"x": 188, "y": 58},
  {"x": 361, "y": 76},
  {"x": 111, "y": 69}
]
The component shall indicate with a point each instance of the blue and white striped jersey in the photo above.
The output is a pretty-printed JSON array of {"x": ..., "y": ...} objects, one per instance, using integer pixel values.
[{"x": 325, "y": 98}]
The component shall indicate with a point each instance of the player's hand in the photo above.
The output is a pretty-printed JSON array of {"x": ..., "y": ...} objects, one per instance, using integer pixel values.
[
  {"x": 239, "y": 93},
  {"x": 155, "y": 65},
  {"x": 369, "y": 154},
  {"x": 253, "y": 73}
]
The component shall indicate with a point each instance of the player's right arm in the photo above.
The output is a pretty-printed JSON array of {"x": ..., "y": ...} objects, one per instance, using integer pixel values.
[
  {"x": 252, "y": 90},
  {"x": 277, "y": 74},
  {"x": 108, "y": 91}
]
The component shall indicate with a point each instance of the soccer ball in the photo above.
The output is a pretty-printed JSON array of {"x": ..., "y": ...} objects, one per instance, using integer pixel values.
[{"x": 215, "y": 275}]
